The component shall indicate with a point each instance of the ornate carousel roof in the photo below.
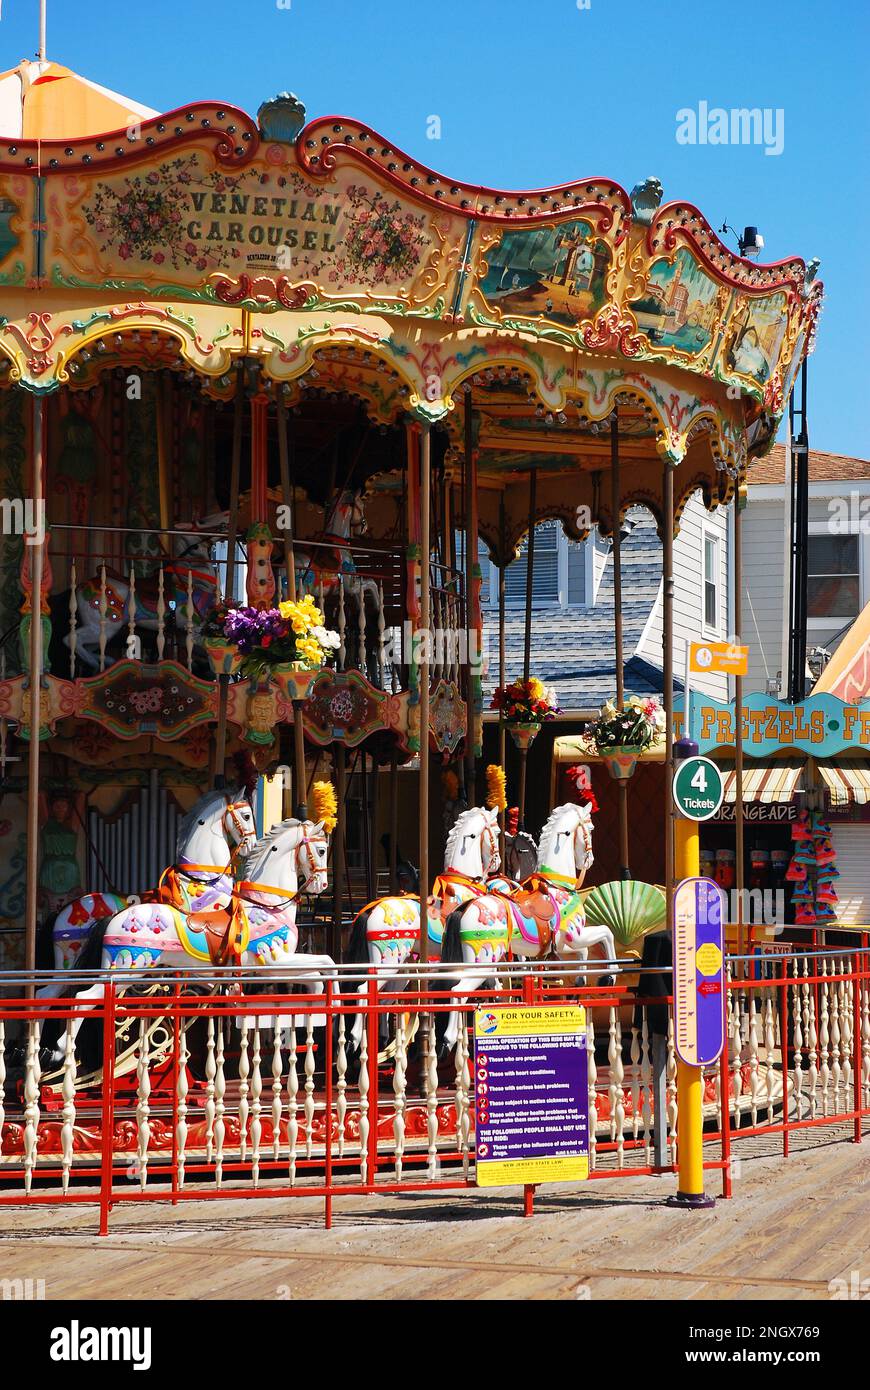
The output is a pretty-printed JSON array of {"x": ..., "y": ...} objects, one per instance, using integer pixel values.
[{"x": 343, "y": 267}]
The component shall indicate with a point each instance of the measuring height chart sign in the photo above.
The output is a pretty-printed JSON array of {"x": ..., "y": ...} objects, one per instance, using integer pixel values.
[
  {"x": 698, "y": 788},
  {"x": 699, "y": 971},
  {"x": 531, "y": 1095}
]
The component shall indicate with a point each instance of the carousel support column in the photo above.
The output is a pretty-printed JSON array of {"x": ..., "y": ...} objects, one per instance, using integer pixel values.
[
  {"x": 615, "y": 500},
  {"x": 230, "y": 580},
  {"x": 682, "y": 861},
  {"x": 423, "y": 676},
  {"x": 502, "y": 663},
  {"x": 394, "y": 816},
  {"x": 300, "y": 800},
  {"x": 338, "y": 851},
  {"x": 527, "y": 634},
  {"x": 36, "y": 658},
  {"x": 739, "y": 862},
  {"x": 472, "y": 624}
]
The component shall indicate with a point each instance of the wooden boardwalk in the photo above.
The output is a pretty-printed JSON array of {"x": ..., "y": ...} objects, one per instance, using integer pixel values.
[{"x": 792, "y": 1226}]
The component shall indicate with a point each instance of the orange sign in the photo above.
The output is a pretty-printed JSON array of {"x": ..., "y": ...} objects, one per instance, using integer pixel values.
[{"x": 725, "y": 658}]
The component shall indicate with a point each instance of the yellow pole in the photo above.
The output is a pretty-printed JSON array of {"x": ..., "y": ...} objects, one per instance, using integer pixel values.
[{"x": 690, "y": 1118}]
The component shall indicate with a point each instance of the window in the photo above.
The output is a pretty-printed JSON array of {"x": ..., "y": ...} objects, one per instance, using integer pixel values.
[
  {"x": 833, "y": 577},
  {"x": 711, "y": 581},
  {"x": 545, "y": 568}
]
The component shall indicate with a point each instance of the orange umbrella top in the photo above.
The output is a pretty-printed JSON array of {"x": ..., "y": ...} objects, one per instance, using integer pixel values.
[{"x": 46, "y": 101}]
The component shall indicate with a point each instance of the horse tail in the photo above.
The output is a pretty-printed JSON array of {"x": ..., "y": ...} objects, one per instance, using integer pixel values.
[
  {"x": 90, "y": 957},
  {"x": 357, "y": 952},
  {"x": 45, "y": 943},
  {"x": 451, "y": 943}
]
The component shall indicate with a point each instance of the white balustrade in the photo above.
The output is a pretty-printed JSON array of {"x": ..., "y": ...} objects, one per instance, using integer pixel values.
[{"x": 68, "y": 1113}]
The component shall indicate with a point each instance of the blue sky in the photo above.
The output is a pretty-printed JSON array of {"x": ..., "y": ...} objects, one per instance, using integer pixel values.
[{"x": 535, "y": 92}]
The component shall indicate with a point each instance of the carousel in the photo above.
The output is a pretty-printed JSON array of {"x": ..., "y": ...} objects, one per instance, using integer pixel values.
[{"x": 269, "y": 390}]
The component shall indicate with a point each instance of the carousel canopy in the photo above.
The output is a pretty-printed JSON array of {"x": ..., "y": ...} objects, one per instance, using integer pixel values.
[{"x": 46, "y": 101}]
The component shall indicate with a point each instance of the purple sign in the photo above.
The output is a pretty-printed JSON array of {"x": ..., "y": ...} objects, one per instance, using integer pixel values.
[
  {"x": 699, "y": 975},
  {"x": 531, "y": 1095}
]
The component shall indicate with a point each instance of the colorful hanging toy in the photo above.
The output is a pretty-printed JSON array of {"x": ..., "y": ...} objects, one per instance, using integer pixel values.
[
  {"x": 496, "y": 787},
  {"x": 325, "y": 805}
]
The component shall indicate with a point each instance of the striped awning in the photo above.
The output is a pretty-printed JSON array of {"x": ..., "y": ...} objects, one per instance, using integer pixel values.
[
  {"x": 848, "y": 781},
  {"x": 773, "y": 781}
]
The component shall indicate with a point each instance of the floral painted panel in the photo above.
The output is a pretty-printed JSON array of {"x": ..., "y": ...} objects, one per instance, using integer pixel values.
[{"x": 186, "y": 222}]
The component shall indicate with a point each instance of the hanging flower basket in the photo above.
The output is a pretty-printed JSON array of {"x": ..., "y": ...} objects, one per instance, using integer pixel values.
[
  {"x": 224, "y": 657},
  {"x": 524, "y": 733},
  {"x": 621, "y": 762},
  {"x": 295, "y": 680}
]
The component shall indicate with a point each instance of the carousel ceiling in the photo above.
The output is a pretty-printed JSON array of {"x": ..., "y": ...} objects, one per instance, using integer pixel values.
[{"x": 347, "y": 270}]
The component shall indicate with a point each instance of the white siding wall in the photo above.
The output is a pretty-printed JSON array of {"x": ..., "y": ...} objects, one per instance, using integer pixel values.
[
  {"x": 763, "y": 536},
  {"x": 689, "y": 595}
]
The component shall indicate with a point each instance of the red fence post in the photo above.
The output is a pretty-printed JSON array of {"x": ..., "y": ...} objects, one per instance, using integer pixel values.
[
  {"x": 528, "y": 1188},
  {"x": 726, "y": 1122},
  {"x": 783, "y": 1043},
  {"x": 371, "y": 1023},
  {"x": 108, "y": 1107},
  {"x": 857, "y": 1079}
]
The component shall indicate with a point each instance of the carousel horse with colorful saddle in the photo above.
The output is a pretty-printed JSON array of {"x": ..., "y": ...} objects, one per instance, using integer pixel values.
[
  {"x": 544, "y": 917},
  {"x": 389, "y": 932},
  {"x": 256, "y": 927},
  {"x": 217, "y": 829}
]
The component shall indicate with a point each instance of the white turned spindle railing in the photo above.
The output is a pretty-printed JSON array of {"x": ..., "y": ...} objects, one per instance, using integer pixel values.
[
  {"x": 836, "y": 1068},
  {"x": 131, "y": 612},
  {"x": 309, "y": 1086},
  {"x": 256, "y": 1107},
  {"x": 244, "y": 1072},
  {"x": 73, "y": 618},
  {"x": 189, "y": 615},
  {"x": 770, "y": 1072},
  {"x": 181, "y": 1090},
  {"x": 824, "y": 1036},
  {"x": 754, "y": 1079},
  {"x": 102, "y": 609},
  {"x": 220, "y": 1090},
  {"x": 847, "y": 1030},
  {"x": 812, "y": 1040},
  {"x": 209, "y": 1091},
  {"x": 616, "y": 1095},
  {"x": 143, "y": 1104},
  {"x": 277, "y": 1082},
  {"x": 161, "y": 613},
  {"x": 32, "y": 1076},
  {"x": 462, "y": 1084},
  {"x": 292, "y": 1106},
  {"x": 363, "y": 1086},
  {"x": 671, "y": 1091},
  {"x": 361, "y": 626},
  {"x": 798, "y": 1016},
  {"x": 430, "y": 1064},
  {"x": 399, "y": 1075},
  {"x": 341, "y": 1083},
  {"x": 68, "y": 1113},
  {"x": 341, "y": 625},
  {"x": 646, "y": 1077},
  {"x": 381, "y": 638},
  {"x": 634, "y": 1056}
]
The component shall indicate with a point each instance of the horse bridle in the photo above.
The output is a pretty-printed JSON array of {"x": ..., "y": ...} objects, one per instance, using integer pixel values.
[
  {"x": 307, "y": 842},
  {"x": 232, "y": 812},
  {"x": 587, "y": 844}
]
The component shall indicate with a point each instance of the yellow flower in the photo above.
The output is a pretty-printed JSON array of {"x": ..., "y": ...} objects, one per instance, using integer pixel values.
[
  {"x": 536, "y": 688},
  {"x": 308, "y": 649}
]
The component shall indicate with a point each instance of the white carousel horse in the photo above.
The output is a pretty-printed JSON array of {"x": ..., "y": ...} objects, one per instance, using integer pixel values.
[
  {"x": 388, "y": 931},
  {"x": 257, "y": 929},
  {"x": 103, "y": 603},
  {"x": 547, "y": 913},
  {"x": 214, "y": 831}
]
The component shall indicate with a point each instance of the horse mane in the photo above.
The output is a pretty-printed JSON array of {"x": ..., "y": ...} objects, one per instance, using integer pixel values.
[
  {"x": 457, "y": 831},
  {"x": 264, "y": 845},
  {"x": 206, "y": 806},
  {"x": 550, "y": 827}
]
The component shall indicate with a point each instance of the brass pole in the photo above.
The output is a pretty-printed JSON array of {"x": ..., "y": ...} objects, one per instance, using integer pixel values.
[
  {"x": 668, "y": 677},
  {"x": 36, "y": 570},
  {"x": 502, "y": 661},
  {"x": 423, "y": 676},
  {"x": 530, "y": 570},
  {"x": 338, "y": 851},
  {"x": 470, "y": 474},
  {"x": 739, "y": 863},
  {"x": 394, "y": 815},
  {"x": 615, "y": 501},
  {"x": 229, "y": 584},
  {"x": 286, "y": 495}
]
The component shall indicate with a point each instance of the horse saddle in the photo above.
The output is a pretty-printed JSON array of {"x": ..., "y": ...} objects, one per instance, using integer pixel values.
[
  {"x": 531, "y": 905},
  {"x": 220, "y": 928}
]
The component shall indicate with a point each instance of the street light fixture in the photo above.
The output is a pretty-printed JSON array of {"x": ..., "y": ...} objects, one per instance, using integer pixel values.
[{"x": 750, "y": 244}]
